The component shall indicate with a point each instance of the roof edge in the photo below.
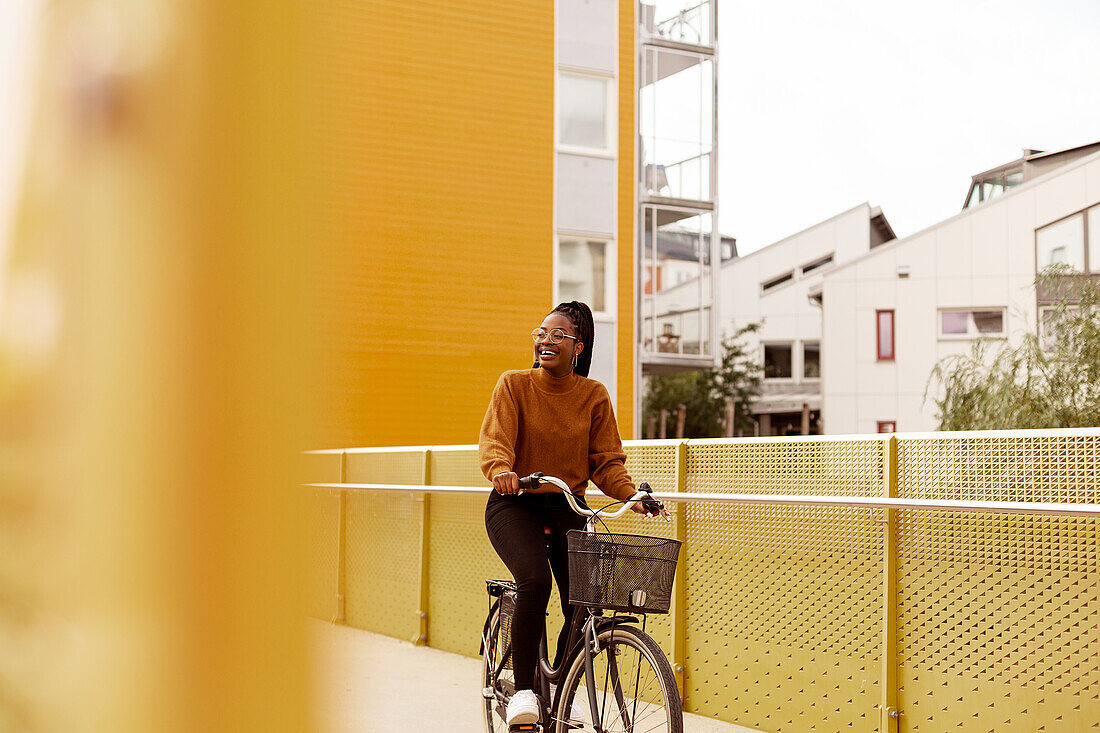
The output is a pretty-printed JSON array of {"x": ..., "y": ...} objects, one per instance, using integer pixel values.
[{"x": 1007, "y": 195}]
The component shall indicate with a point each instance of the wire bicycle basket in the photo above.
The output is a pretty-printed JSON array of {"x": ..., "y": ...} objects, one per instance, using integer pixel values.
[{"x": 621, "y": 572}]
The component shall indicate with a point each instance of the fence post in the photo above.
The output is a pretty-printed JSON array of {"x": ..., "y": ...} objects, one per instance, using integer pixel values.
[
  {"x": 678, "y": 609},
  {"x": 888, "y": 708},
  {"x": 425, "y": 500},
  {"x": 341, "y": 549}
]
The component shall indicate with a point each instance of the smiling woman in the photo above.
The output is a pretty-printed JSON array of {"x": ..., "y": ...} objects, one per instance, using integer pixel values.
[
  {"x": 556, "y": 331},
  {"x": 550, "y": 418}
]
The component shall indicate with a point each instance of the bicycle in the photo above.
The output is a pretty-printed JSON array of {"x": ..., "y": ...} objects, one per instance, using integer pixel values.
[{"x": 614, "y": 670}]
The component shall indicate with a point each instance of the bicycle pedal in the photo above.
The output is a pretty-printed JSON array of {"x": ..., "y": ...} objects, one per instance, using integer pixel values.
[{"x": 525, "y": 728}]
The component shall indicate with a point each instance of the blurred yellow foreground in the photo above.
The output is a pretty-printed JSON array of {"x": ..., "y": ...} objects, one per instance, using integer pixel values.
[{"x": 152, "y": 374}]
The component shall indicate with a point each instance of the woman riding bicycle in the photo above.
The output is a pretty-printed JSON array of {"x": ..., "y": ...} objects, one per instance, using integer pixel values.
[{"x": 548, "y": 418}]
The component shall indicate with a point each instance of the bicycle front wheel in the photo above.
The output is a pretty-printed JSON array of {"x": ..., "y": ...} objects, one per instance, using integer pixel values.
[{"x": 634, "y": 684}]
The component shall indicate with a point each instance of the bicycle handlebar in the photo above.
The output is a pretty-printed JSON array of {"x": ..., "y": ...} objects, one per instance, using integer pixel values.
[{"x": 528, "y": 483}]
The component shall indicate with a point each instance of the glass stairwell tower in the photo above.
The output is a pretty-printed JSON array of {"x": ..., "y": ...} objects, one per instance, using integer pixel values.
[{"x": 678, "y": 239}]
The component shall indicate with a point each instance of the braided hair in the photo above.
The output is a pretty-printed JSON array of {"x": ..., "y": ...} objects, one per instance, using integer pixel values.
[{"x": 581, "y": 317}]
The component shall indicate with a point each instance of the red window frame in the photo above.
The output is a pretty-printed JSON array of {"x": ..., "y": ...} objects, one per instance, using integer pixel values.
[{"x": 878, "y": 335}]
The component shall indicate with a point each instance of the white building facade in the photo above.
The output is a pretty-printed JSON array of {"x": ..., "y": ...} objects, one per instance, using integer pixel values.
[
  {"x": 890, "y": 315},
  {"x": 779, "y": 287}
]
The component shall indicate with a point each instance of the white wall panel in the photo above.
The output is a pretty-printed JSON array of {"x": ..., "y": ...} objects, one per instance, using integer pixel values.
[
  {"x": 988, "y": 291},
  {"x": 1092, "y": 182},
  {"x": 586, "y": 194},
  {"x": 587, "y": 34},
  {"x": 953, "y": 248},
  {"x": 920, "y": 256},
  {"x": 839, "y": 413},
  {"x": 1060, "y": 196},
  {"x": 603, "y": 357},
  {"x": 953, "y": 292},
  {"x": 989, "y": 237},
  {"x": 1020, "y": 222},
  {"x": 877, "y": 377}
]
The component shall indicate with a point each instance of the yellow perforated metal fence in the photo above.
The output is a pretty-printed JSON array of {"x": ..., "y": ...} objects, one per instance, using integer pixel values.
[
  {"x": 1000, "y": 610},
  {"x": 784, "y": 604},
  {"x": 789, "y": 618}
]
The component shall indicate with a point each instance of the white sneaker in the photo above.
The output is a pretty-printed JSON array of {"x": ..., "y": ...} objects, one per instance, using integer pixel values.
[{"x": 523, "y": 708}]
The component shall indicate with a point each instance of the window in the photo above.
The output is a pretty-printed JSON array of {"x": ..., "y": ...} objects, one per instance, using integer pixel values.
[
  {"x": 676, "y": 134},
  {"x": 884, "y": 335},
  {"x": 676, "y": 263},
  {"x": 583, "y": 272},
  {"x": 887, "y": 426},
  {"x": 583, "y": 111},
  {"x": 972, "y": 323},
  {"x": 827, "y": 260},
  {"x": 777, "y": 361},
  {"x": 777, "y": 281},
  {"x": 1050, "y": 323},
  {"x": 1062, "y": 242},
  {"x": 811, "y": 360},
  {"x": 992, "y": 186}
]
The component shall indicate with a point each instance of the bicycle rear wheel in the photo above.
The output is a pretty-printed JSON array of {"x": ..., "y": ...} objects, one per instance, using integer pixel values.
[
  {"x": 635, "y": 687},
  {"x": 505, "y": 681}
]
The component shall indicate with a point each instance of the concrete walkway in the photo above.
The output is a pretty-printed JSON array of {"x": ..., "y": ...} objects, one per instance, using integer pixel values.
[{"x": 367, "y": 682}]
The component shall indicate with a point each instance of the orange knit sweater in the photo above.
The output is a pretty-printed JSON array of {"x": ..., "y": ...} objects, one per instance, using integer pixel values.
[{"x": 563, "y": 427}]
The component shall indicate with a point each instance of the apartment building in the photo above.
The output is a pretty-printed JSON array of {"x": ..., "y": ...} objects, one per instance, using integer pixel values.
[
  {"x": 891, "y": 314},
  {"x": 484, "y": 161},
  {"x": 779, "y": 286}
]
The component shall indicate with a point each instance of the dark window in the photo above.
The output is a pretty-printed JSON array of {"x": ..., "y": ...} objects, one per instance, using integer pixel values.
[
  {"x": 989, "y": 321},
  {"x": 777, "y": 361},
  {"x": 971, "y": 323},
  {"x": 776, "y": 282},
  {"x": 816, "y": 264},
  {"x": 811, "y": 361},
  {"x": 884, "y": 321}
]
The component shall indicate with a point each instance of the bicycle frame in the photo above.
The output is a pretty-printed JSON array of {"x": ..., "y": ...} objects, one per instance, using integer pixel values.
[{"x": 586, "y": 625}]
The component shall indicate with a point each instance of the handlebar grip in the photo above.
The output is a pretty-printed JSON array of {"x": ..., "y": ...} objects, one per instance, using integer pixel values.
[
  {"x": 651, "y": 505},
  {"x": 530, "y": 483}
]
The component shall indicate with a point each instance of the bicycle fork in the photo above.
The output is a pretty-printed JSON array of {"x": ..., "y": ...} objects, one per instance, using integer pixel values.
[{"x": 591, "y": 649}]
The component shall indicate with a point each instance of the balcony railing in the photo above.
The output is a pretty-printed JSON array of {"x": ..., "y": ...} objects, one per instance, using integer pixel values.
[{"x": 679, "y": 21}]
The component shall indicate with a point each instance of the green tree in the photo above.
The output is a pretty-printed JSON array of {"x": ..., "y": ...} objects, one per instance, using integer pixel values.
[
  {"x": 1048, "y": 382},
  {"x": 704, "y": 393}
]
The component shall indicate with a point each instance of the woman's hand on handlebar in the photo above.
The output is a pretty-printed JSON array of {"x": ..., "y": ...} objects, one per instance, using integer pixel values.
[
  {"x": 506, "y": 483},
  {"x": 650, "y": 507}
]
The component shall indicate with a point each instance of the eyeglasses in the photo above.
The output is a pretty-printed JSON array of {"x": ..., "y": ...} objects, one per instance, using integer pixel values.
[{"x": 554, "y": 335}]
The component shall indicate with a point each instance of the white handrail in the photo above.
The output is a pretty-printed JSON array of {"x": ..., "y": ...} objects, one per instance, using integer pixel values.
[
  {"x": 844, "y": 502},
  {"x": 591, "y": 514}
]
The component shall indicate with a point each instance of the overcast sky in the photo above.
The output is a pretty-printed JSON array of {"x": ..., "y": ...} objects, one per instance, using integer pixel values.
[{"x": 823, "y": 105}]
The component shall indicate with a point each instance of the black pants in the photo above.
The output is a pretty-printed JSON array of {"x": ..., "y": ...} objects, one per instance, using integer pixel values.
[{"x": 515, "y": 526}]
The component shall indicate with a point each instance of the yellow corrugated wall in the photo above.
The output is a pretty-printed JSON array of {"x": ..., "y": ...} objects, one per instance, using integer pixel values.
[
  {"x": 627, "y": 216},
  {"x": 435, "y": 233}
]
